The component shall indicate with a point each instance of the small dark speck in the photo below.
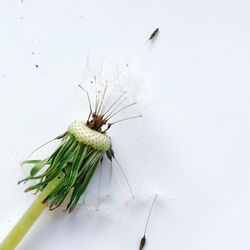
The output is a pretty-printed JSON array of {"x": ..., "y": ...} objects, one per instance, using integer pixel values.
[
  {"x": 33, "y": 53},
  {"x": 81, "y": 16},
  {"x": 154, "y": 34},
  {"x": 37, "y": 66},
  {"x": 21, "y": 17}
]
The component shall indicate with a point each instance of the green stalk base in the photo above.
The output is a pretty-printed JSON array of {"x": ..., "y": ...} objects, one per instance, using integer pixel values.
[{"x": 29, "y": 218}]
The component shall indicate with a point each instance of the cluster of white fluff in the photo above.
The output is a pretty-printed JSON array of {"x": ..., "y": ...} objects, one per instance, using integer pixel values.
[{"x": 115, "y": 78}]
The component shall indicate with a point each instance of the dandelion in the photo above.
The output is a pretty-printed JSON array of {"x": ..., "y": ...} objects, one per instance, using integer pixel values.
[
  {"x": 67, "y": 172},
  {"x": 72, "y": 165}
]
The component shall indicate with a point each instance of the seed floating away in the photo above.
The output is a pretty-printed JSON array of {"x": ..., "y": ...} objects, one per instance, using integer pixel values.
[
  {"x": 67, "y": 172},
  {"x": 143, "y": 239}
]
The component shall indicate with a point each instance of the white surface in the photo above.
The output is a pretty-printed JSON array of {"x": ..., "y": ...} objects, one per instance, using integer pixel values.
[{"x": 192, "y": 144}]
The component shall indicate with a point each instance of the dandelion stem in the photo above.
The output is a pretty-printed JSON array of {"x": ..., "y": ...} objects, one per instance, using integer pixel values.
[{"x": 29, "y": 218}]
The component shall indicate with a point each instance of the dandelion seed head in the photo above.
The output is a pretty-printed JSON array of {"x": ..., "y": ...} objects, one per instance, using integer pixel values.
[{"x": 112, "y": 82}]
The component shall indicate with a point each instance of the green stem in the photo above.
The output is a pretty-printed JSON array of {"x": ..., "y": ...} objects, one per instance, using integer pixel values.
[{"x": 29, "y": 218}]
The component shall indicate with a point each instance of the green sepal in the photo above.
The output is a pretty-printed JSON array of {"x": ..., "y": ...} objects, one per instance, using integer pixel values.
[
  {"x": 38, "y": 167},
  {"x": 76, "y": 161}
]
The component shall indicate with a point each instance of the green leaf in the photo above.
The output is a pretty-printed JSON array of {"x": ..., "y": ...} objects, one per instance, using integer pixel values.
[
  {"x": 38, "y": 167},
  {"x": 65, "y": 154},
  {"x": 31, "y": 161},
  {"x": 77, "y": 193}
]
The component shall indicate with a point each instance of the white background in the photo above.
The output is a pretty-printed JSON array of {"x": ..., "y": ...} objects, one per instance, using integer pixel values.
[{"x": 191, "y": 146}]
